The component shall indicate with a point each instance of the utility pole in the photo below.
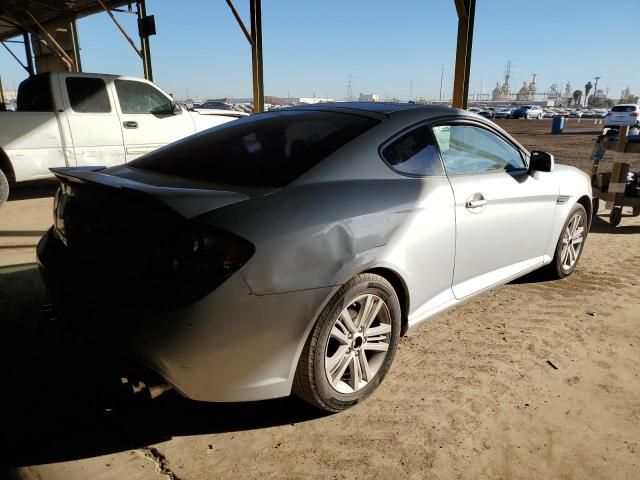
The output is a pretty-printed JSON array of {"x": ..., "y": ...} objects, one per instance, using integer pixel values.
[
  {"x": 441, "y": 77},
  {"x": 349, "y": 88},
  {"x": 410, "y": 89},
  {"x": 595, "y": 89}
]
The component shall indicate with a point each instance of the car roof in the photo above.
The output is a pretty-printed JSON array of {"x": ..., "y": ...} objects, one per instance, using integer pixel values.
[{"x": 379, "y": 109}]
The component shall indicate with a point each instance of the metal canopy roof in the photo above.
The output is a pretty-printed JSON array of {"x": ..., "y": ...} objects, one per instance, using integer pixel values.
[{"x": 15, "y": 18}]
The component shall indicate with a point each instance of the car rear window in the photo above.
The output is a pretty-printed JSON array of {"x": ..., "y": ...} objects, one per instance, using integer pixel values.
[
  {"x": 265, "y": 150},
  {"x": 624, "y": 108},
  {"x": 34, "y": 94}
]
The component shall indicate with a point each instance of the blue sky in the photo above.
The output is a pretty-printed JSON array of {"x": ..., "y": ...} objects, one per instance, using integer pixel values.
[{"x": 310, "y": 47}]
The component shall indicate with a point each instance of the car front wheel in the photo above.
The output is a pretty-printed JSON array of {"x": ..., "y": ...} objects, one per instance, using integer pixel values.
[
  {"x": 570, "y": 244},
  {"x": 4, "y": 188},
  {"x": 351, "y": 346}
]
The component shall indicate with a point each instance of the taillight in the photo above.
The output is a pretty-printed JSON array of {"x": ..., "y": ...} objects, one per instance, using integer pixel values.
[
  {"x": 635, "y": 114},
  {"x": 200, "y": 251},
  {"x": 191, "y": 262}
]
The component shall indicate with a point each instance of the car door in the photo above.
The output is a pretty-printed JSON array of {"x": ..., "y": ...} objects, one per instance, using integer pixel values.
[
  {"x": 147, "y": 119},
  {"x": 425, "y": 246},
  {"x": 92, "y": 121},
  {"x": 504, "y": 215}
]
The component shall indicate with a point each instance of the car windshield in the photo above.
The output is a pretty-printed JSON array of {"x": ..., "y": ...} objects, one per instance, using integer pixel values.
[{"x": 265, "y": 150}]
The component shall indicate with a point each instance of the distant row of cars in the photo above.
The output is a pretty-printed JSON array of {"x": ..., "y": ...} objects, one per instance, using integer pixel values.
[{"x": 537, "y": 112}]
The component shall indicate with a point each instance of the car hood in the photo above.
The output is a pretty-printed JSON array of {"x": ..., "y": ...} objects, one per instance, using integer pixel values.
[{"x": 187, "y": 198}]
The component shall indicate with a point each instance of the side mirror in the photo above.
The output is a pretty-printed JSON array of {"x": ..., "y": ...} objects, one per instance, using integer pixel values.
[
  {"x": 541, "y": 162},
  {"x": 175, "y": 108}
]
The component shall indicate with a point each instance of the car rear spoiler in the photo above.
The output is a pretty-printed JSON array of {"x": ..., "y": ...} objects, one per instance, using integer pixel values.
[{"x": 188, "y": 202}]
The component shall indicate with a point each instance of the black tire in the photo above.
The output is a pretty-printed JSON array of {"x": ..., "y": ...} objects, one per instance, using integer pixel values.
[
  {"x": 636, "y": 211},
  {"x": 555, "y": 269},
  {"x": 310, "y": 381},
  {"x": 4, "y": 188},
  {"x": 615, "y": 216}
]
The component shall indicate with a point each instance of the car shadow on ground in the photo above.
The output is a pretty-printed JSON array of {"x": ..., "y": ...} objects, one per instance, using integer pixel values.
[
  {"x": 601, "y": 225},
  {"x": 33, "y": 189},
  {"x": 61, "y": 402}
]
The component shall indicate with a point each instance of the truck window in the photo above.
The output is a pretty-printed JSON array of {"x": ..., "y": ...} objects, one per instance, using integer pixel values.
[
  {"x": 139, "y": 97},
  {"x": 34, "y": 94},
  {"x": 88, "y": 95}
]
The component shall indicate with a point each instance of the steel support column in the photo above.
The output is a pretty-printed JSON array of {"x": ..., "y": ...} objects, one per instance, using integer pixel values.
[
  {"x": 466, "y": 16},
  {"x": 256, "y": 55},
  {"x": 28, "y": 54},
  {"x": 76, "y": 45},
  {"x": 144, "y": 43},
  {"x": 3, "y": 105}
]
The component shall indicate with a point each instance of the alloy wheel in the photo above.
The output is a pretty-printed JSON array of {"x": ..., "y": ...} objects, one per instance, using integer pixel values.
[
  {"x": 358, "y": 344},
  {"x": 572, "y": 239}
]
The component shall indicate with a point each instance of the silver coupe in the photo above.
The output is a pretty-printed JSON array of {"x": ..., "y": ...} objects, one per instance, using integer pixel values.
[{"x": 288, "y": 251}]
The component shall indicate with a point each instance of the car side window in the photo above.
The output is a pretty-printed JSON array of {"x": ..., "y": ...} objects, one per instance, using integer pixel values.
[
  {"x": 140, "y": 97},
  {"x": 471, "y": 149},
  {"x": 414, "y": 153},
  {"x": 88, "y": 95}
]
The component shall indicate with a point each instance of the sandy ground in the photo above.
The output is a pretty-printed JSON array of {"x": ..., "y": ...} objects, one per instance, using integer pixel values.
[{"x": 535, "y": 380}]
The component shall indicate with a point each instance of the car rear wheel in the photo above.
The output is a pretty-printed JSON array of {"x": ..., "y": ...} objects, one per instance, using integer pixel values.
[
  {"x": 570, "y": 244},
  {"x": 351, "y": 346},
  {"x": 4, "y": 188}
]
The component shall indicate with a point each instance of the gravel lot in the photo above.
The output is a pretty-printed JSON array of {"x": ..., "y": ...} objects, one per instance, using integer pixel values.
[{"x": 533, "y": 380}]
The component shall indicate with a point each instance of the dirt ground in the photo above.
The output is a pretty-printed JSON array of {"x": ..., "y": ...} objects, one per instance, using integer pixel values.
[{"x": 535, "y": 380}]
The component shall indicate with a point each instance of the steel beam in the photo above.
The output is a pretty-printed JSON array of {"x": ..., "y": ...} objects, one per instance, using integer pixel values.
[
  {"x": 76, "y": 45},
  {"x": 256, "y": 55},
  {"x": 466, "y": 17},
  {"x": 121, "y": 28},
  {"x": 28, "y": 54},
  {"x": 144, "y": 42},
  {"x": 3, "y": 105},
  {"x": 14, "y": 56},
  {"x": 55, "y": 46}
]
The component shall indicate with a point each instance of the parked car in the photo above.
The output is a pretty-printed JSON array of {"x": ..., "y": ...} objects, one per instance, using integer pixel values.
[
  {"x": 486, "y": 113},
  {"x": 503, "y": 112},
  {"x": 528, "y": 111},
  {"x": 575, "y": 114},
  {"x": 288, "y": 251},
  {"x": 79, "y": 119},
  {"x": 623, "y": 114}
]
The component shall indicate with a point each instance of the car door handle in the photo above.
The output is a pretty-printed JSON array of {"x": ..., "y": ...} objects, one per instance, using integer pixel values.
[
  {"x": 475, "y": 201},
  {"x": 130, "y": 124}
]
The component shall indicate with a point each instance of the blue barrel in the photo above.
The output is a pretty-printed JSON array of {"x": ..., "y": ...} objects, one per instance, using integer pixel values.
[{"x": 557, "y": 124}]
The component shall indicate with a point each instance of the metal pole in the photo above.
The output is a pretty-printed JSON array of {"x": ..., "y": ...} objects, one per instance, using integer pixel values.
[
  {"x": 13, "y": 55},
  {"x": 122, "y": 30},
  {"x": 75, "y": 44},
  {"x": 466, "y": 14},
  {"x": 256, "y": 55},
  {"x": 146, "y": 46},
  {"x": 3, "y": 106},
  {"x": 28, "y": 53},
  {"x": 467, "y": 73},
  {"x": 441, "y": 77}
]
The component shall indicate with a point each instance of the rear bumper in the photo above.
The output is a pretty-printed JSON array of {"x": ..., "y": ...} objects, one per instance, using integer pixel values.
[{"x": 231, "y": 345}]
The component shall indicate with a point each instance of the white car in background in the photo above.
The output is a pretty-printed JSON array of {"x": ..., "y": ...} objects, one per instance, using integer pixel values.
[{"x": 623, "y": 114}]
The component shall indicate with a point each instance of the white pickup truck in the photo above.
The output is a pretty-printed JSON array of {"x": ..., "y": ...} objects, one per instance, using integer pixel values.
[{"x": 75, "y": 119}]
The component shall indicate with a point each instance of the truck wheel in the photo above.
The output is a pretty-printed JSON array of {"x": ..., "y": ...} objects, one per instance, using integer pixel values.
[{"x": 4, "y": 188}]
